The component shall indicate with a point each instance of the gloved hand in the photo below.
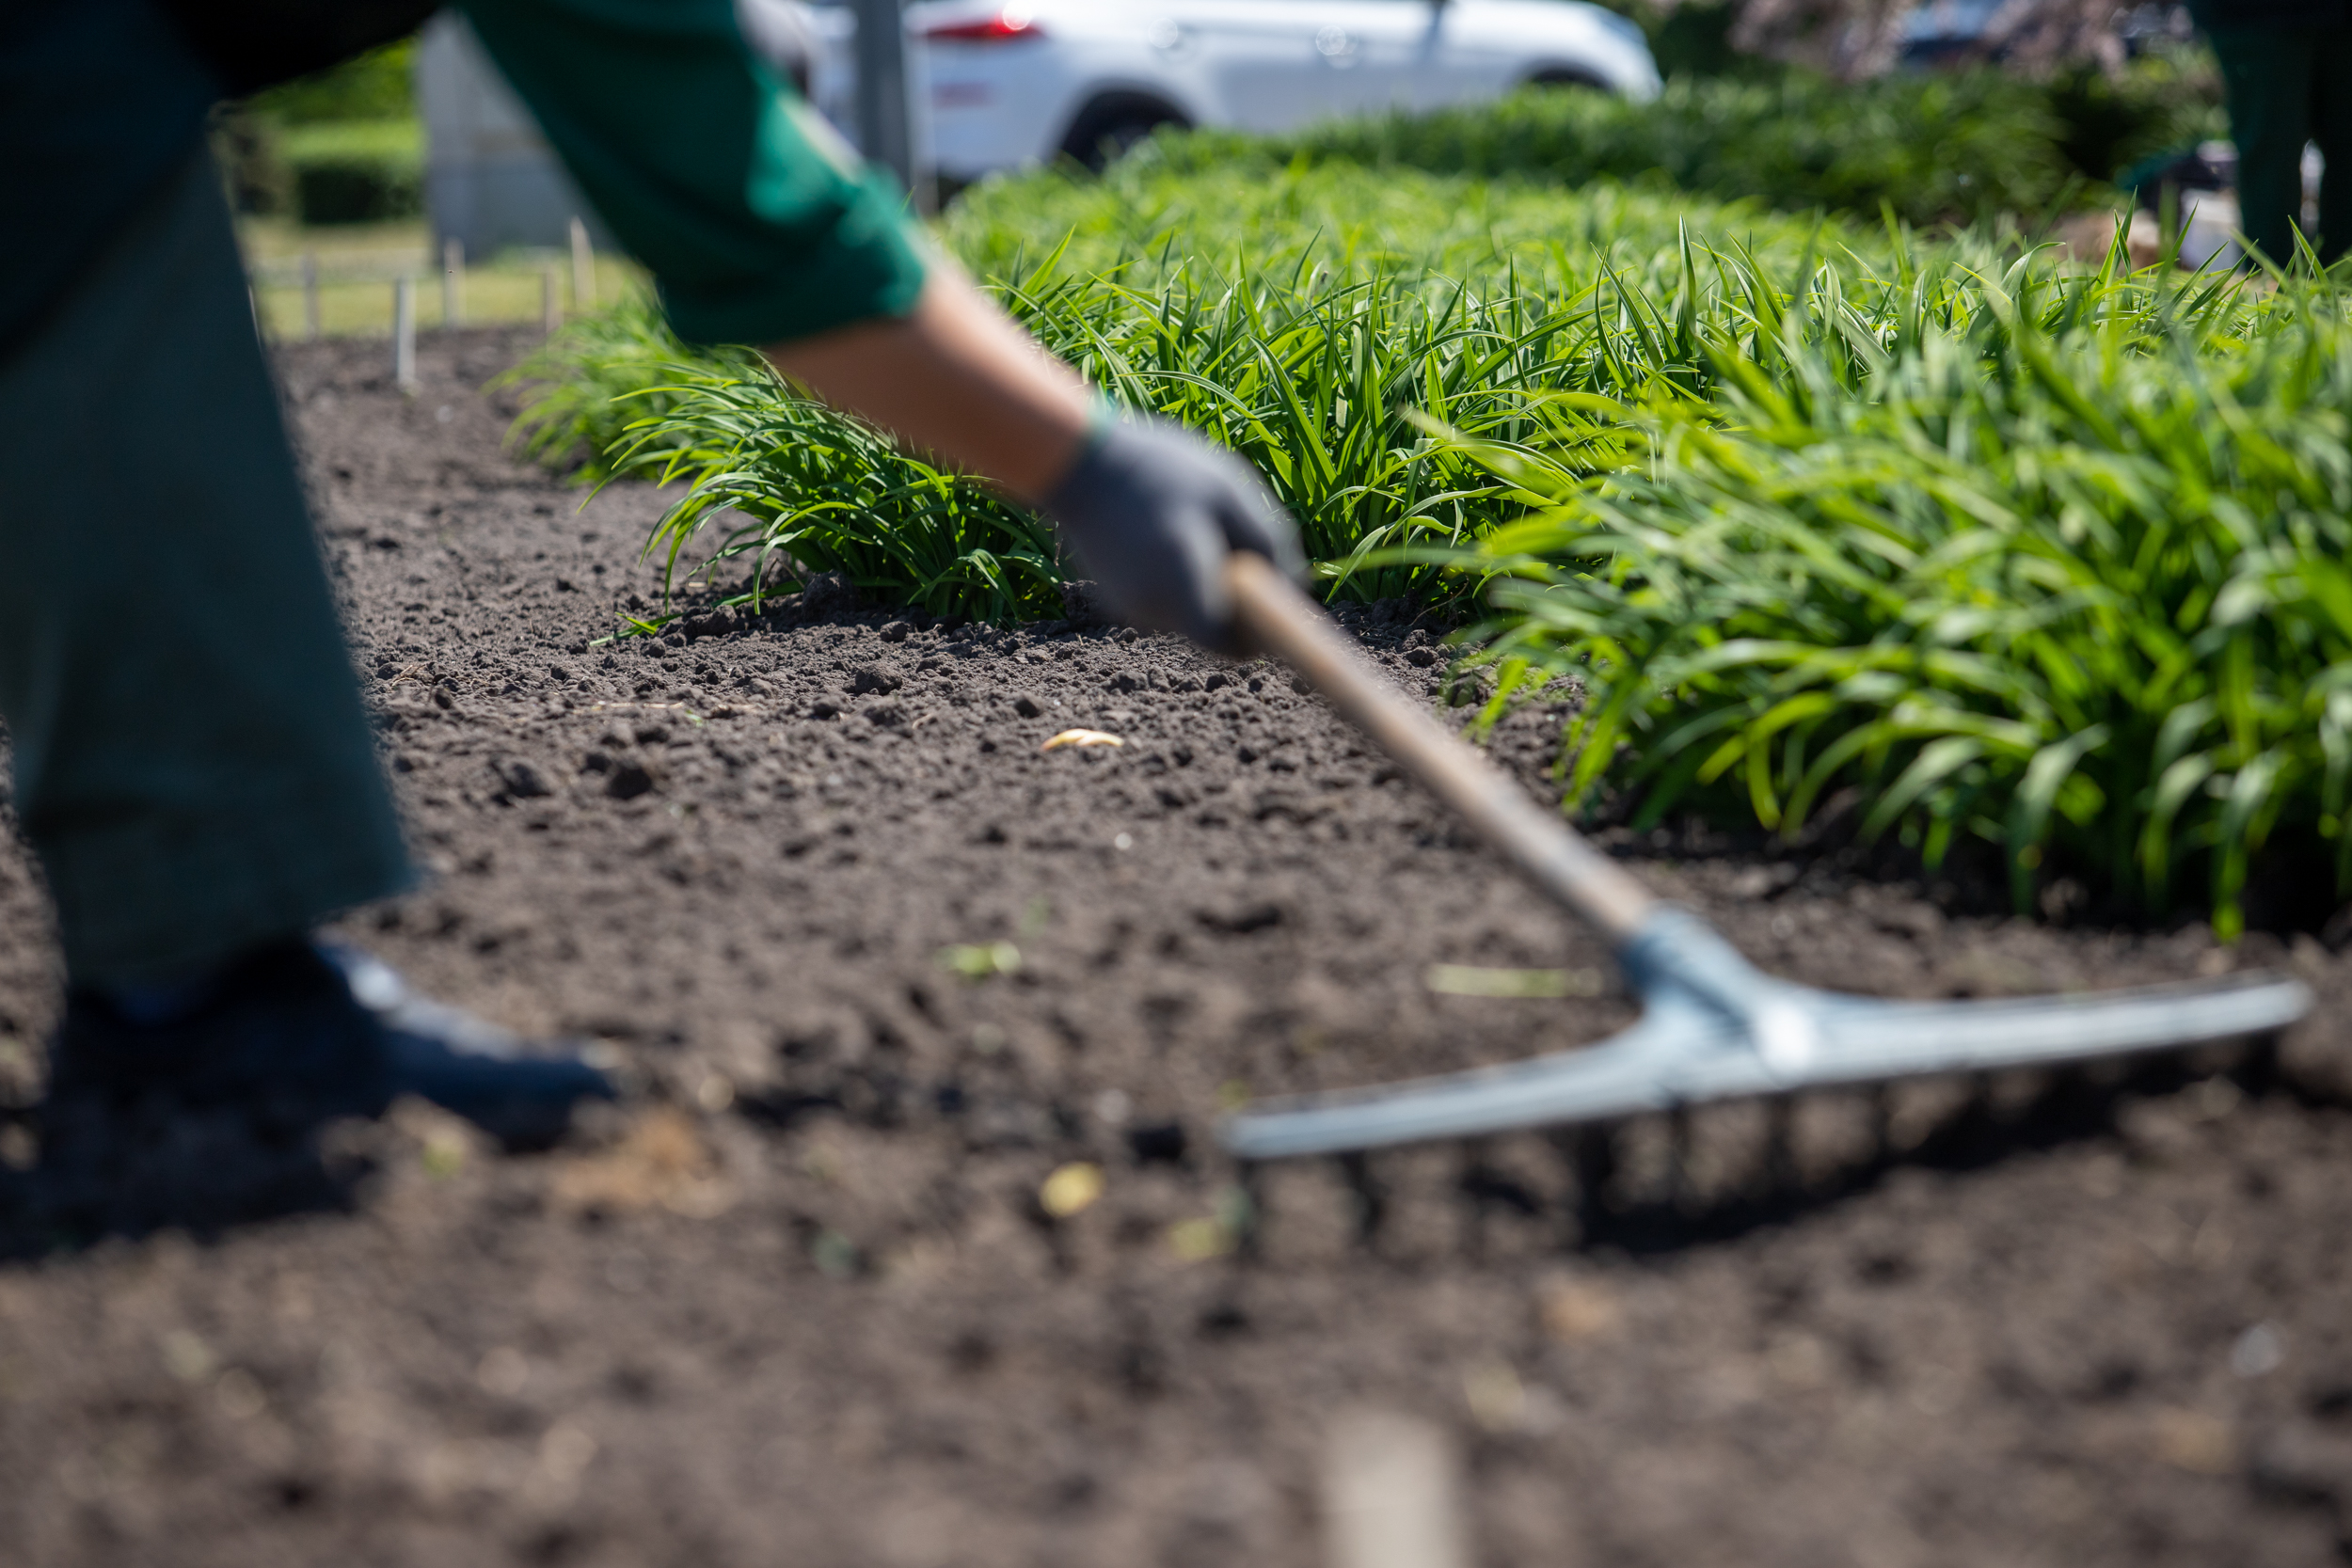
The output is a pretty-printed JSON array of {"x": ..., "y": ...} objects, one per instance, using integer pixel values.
[{"x": 1153, "y": 511}]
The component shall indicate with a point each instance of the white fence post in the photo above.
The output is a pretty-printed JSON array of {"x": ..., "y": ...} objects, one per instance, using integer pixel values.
[
  {"x": 452, "y": 281},
  {"x": 405, "y": 334},
  {"x": 583, "y": 269}
]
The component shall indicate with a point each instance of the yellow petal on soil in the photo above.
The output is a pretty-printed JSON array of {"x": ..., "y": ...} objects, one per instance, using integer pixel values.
[
  {"x": 1083, "y": 738},
  {"x": 1473, "y": 980},
  {"x": 1496, "y": 1397},
  {"x": 1069, "y": 1189},
  {"x": 1198, "y": 1240}
]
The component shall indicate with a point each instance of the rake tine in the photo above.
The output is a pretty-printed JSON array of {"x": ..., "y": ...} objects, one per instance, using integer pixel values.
[
  {"x": 1249, "y": 1244},
  {"x": 2258, "y": 1068},
  {"x": 1780, "y": 1143},
  {"x": 1371, "y": 1205},
  {"x": 1595, "y": 1149},
  {"x": 1681, "y": 1192}
]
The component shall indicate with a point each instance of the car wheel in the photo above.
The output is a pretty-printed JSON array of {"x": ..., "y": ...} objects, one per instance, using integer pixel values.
[{"x": 1106, "y": 130}]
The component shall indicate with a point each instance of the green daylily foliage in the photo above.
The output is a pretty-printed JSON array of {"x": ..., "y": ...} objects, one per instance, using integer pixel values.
[
  {"x": 1305, "y": 319},
  {"x": 2054, "y": 559}
]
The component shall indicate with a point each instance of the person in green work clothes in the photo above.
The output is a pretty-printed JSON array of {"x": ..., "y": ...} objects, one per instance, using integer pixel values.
[
  {"x": 193, "y": 762},
  {"x": 2286, "y": 67}
]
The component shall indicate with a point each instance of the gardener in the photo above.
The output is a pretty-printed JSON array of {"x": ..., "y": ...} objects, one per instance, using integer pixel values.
[
  {"x": 2286, "y": 67},
  {"x": 194, "y": 765}
]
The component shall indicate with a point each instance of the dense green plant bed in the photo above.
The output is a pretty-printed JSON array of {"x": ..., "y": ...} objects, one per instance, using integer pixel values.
[
  {"x": 2053, "y": 562},
  {"x": 1989, "y": 544}
]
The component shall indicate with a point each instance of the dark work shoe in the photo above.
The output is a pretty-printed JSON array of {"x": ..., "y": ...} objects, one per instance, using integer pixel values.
[
  {"x": 467, "y": 1065},
  {"x": 279, "y": 1038},
  {"x": 300, "y": 1033},
  {"x": 219, "y": 1116}
]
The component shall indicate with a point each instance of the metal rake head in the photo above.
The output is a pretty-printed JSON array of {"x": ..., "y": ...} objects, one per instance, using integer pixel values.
[{"x": 1713, "y": 1027}]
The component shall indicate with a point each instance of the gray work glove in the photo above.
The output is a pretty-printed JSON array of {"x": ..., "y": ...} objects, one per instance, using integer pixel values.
[{"x": 1153, "y": 511}]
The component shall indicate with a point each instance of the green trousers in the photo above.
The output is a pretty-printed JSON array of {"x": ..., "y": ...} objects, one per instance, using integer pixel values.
[
  {"x": 2288, "y": 86},
  {"x": 194, "y": 765}
]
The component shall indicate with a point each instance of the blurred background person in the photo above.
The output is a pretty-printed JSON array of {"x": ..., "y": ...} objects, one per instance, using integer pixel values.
[{"x": 2286, "y": 66}]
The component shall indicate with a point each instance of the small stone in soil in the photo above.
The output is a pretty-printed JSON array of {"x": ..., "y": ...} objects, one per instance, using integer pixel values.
[
  {"x": 629, "y": 780},
  {"x": 523, "y": 782}
]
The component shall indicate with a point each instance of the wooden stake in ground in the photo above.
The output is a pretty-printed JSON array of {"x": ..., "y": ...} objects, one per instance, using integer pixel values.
[
  {"x": 1391, "y": 1495},
  {"x": 310, "y": 295},
  {"x": 404, "y": 333},
  {"x": 452, "y": 281},
  {"x": 583, "y": 269}
]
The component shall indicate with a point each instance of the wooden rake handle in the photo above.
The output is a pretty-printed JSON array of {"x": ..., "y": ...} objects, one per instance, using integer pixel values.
[{"x": 1277, "y": 619}]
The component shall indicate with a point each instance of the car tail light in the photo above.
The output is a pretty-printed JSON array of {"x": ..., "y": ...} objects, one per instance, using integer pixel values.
[{"x": 1012, "y": 23}]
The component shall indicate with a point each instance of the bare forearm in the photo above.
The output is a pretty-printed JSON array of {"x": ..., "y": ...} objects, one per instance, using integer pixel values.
[{"x": 956, "y": 378}]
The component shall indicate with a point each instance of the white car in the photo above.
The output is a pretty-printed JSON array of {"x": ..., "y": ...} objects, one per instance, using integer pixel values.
[{"x": 1007, "y": 83}]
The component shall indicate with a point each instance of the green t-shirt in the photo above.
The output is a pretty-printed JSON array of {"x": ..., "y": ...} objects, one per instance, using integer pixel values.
[
  {"x": 754, "y": 218},
  {"x": 758, "y": 224}
]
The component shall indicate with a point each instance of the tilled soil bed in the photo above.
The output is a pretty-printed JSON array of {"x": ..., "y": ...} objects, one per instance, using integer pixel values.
[{"x": 876, "y": 966}]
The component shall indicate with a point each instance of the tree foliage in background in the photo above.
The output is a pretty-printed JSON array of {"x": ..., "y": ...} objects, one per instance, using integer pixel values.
[
  {"x": 379, "y": 85},
  {"x": 1855, "y": 40}
]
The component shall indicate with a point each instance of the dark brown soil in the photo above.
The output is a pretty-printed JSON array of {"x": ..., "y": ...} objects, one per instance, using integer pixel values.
[{"x": 799, "y": 1302}]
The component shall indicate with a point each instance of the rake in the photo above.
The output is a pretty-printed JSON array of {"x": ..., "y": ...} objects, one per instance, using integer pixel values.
[{"x": 1713, "y": 1026}]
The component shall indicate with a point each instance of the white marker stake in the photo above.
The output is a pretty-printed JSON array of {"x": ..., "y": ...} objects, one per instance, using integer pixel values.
[
  {"x": 310, "y": 295},
  {"x": 1390, "y": 1495},
  {"x": 583, "y": 269},
  {"x": 405, "y": 334},
  {"x": 452, "y": 281}
]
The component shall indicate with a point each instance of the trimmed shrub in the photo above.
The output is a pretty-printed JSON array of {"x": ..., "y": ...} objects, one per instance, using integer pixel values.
[{"x": 361, "y": 171}]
